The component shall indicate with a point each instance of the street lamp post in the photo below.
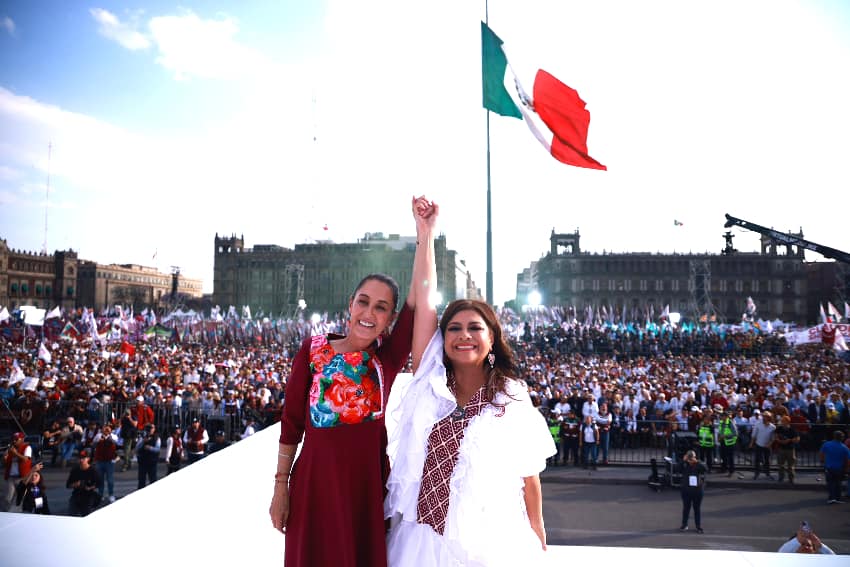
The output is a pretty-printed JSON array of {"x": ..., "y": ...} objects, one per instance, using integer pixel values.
[{"x": 534, "y": 302}]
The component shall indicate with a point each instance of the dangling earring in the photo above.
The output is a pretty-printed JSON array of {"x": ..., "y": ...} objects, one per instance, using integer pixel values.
[{"x": 491, "y": 360}]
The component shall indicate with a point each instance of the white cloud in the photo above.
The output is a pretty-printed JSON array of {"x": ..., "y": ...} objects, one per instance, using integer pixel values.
[
  {"x": 8, "y": 24},
  {"x": 110, "y": 27},
  {"x": 190, "y": 46},
  {"x": 112, "y": 173}
]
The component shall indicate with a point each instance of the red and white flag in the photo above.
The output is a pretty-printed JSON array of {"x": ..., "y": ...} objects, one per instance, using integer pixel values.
[{"x": 558, "y": 118}]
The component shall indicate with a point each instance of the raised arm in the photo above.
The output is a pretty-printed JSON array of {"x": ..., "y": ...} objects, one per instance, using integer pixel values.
[{"x": 423, "y": 281}]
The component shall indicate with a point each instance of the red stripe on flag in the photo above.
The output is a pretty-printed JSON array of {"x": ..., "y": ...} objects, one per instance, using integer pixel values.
[{"x": 563, "y": 111}]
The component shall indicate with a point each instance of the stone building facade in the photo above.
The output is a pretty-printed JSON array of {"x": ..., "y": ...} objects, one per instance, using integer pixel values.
[
  {"x": 33, "y": 278},
  {"x": 691, "y": 284},
  {"x": 273, "y": 279},
  {"x": 61, "y": 278},
  {"x": 104, "y": 285}
]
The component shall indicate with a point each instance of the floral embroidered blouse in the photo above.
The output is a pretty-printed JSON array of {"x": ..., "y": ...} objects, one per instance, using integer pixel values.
[{"x": 347, "y": 388}]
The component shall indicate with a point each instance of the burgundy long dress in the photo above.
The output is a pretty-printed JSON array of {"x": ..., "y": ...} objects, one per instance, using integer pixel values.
[{"x": 337, "y": 402}]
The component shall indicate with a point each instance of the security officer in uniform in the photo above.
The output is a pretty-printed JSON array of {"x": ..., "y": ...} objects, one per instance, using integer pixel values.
[
  {"x": 728, "y": 439},
  {"x": 554, "y": 424},
  {"x": 705, "y": 435}
]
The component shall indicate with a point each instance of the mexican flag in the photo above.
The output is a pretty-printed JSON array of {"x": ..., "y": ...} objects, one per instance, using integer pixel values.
[{"x": 554, "y": 112}]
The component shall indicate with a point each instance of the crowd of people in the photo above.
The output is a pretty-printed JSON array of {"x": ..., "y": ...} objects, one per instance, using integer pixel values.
[{"x": 635, "y": 399}]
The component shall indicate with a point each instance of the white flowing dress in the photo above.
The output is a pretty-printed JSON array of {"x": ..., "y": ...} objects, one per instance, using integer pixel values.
[{"x": 486, "y": 522}]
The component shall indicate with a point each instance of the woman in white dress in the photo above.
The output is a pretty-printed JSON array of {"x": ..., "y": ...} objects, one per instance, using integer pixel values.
[{"x": 466, "y": 454}]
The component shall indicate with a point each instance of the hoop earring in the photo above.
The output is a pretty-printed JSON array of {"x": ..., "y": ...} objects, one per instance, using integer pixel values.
[{"x": 491, "y": 360}]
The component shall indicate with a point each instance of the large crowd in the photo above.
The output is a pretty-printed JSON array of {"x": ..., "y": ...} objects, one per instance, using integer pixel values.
[
  {"x": 66, "y": 392},
  {"x": 240, "y": 379}
]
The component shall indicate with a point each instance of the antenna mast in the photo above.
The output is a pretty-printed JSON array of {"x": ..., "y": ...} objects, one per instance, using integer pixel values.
[{"x": 46, "y": 199}]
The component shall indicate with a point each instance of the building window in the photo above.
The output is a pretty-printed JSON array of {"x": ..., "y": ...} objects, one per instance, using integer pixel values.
[
  {"x": 38, "y": 291},
  {"x": 13, "y": 289},
  {"x": 48, "y": 291},
  {"x": 70, "y": 291},
  {"x": 25, "y": 288}
]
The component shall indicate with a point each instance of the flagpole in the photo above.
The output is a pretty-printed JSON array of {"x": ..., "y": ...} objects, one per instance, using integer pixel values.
[{"x": 489, "y": 282}]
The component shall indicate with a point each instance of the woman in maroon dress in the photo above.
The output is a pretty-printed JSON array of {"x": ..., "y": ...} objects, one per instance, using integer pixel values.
[{"x": 329, "y": 502}]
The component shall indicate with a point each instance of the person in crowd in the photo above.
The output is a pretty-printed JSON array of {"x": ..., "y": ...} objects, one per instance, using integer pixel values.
[
  {"x": 630, "y": 430},
  {"x": 569, "y": 432},
  {"x": 727, "y": 438},
  {"x": 588, "y": 441},
  {"x": 335, "y": 399},
  {"x": 72, "y": 440},
  {"x": 847, "y": 444},
  {"x": 17, "y": 463},
  {"x": 705, "y": 434},
  {"x": 835, "y": 457},
  {"x": 590, "y": 407},
  {"x": 50, "y": 441},
  {"x": 31, "y": 494},
  {"x": 90, "y": 432},
  {"x": 83, "y": 481},
  {"x": 219, "y": 442},
  {"x": 195, "y": 441},
  {"x": 249, "y": 428},
  {"x": 105, "y": 454},
  {"x": 147, "y": 455},
  {"x": 644, "y": 427},
  {"x": 466, "y": 417},
  {"x": 563, "y": 405},
  {"x": 553, "y": 422},
  {"x": 604, "y": 421},
  {"x": 692, "y": 488},
  {"x": 129, "y": 434},
  {"x": 174, "y": 453},
  {"x": 805, "y": 541},
  {"x": 142, "y": 414},
  {"x": 742, "y": 422},
  {"x": 762, "y": 441},
  {"x": 786, "y": 441}
]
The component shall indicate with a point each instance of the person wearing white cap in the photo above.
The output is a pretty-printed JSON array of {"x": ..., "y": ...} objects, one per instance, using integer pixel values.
[{"x": 764, "y": 432}]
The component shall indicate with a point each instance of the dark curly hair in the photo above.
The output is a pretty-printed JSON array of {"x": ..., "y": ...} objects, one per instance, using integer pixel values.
[{"x": 504, "y": 366}]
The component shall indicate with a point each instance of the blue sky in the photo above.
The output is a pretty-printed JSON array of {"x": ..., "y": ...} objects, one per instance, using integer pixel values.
[{"x": 170, "y": 122}]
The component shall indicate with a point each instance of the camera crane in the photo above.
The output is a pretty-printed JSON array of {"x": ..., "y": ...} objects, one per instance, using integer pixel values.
[{"x": 789, "y": 239}]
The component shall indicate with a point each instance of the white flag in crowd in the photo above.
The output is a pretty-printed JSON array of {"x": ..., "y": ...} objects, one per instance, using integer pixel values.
[
  {"x": 833, "y": 312},
  {"x": 17, "y": 375},
  {"x": 4, "y": 314},
  {"x": 44, "y": 354},
  {"x": 53, "y": 313}
]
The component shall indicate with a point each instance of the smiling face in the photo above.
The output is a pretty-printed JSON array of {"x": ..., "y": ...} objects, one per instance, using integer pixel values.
[
  {"x": 467, "y": 338},
  {"x": 371, "y": 311}
]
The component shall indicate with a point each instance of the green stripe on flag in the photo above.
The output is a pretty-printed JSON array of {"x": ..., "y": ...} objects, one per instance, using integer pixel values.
[{"x": 493, "y": 65}]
